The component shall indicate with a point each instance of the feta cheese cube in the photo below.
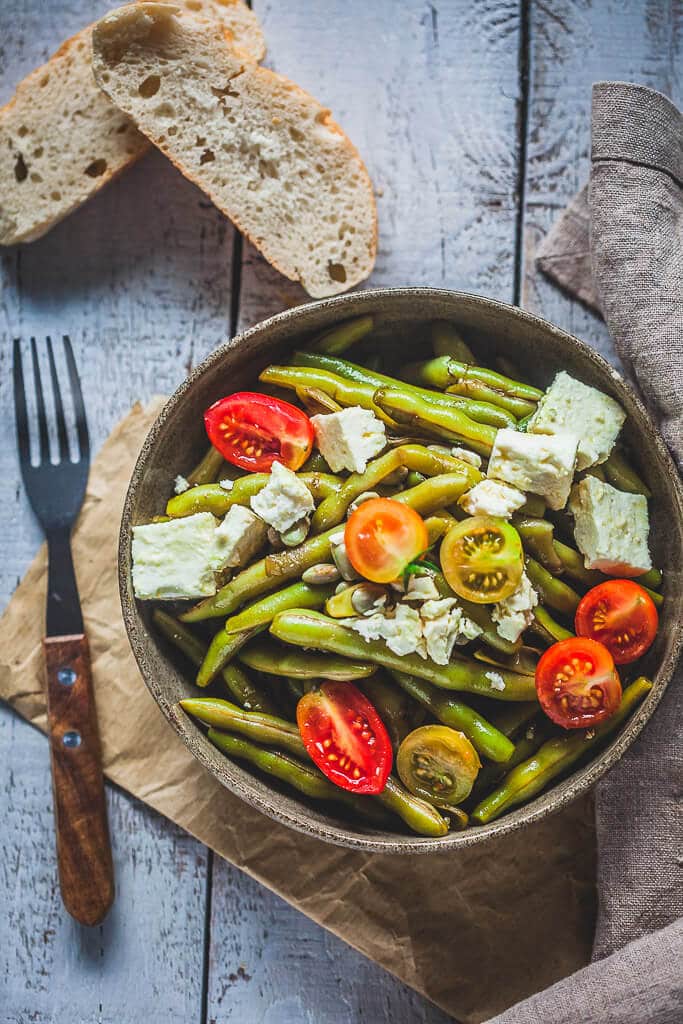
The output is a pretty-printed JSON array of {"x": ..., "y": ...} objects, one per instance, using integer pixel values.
[
  {"x": 421, "y": 588},
  {"x": 444, "y": 625},
  {"x": 465, "y": 455},
  {"x": 239, "y": 536},
  {"x": 611, "y": 528},
  {"x": 515, "y": 613},
  {"x": 175, "y": 560},
  {"x": 541, "y": 463},
  {"x": 347, "y": 439},
  {"x": 492, "y": 498},
  {"x": 569, "y": 403},
  {"x": 284, "y": 500}
]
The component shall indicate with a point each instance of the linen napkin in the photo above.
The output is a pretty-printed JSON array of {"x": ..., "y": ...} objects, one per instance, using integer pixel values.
[
  {"x": 619, "y": 248},
  {"x": 474, "y": 931}
]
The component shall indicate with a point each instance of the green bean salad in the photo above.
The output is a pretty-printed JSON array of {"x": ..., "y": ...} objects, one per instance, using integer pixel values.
[{"x": 419, "y": 595}]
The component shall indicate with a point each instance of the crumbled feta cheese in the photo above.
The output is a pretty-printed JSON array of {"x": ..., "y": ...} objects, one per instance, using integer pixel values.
[
  {"x": 541, "y": 463},
  {"x": 611, "y": 528},
  {"x": 180, "y": 485},
  {"x": 515, "y": 613},
  {"x": 496, "y": 680},
  {"x": 421, "y": 588},
  {"x": 239, "y": 536},
  {"x": 177, "y": 559},
  {"x": 492, "y": 498},
  {"x": 466, "y": 456},
  {"x": 226, "y": 484},
  {"x": 347, "y": 439},
  {"x": 444, "y": 625},
  {"x": 567, "y": 404},
  {"x": 401, "y": 631},
  {"x": 531, "y": 732},
  {"x": 284, "y": 500}
]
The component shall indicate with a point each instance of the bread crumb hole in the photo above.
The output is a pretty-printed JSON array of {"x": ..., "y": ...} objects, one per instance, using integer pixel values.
[
  {"x": 20, "y": 169},
  {"x": 36, "y": 177},
  {"x": 173, "y": 130},
  {"x": 44, "y": 80},
  {"x": 207, "y": 156},
  {"x": 55, "y": 196},
  {"x": 193, "y": 5},
  {"x": 23, "y": 130},
  {"x": 121, "y": 128},
  {"x": 96, "y": 169},
  {"x": 337, "y": 272},
  {"x": 296, "y": 135},
  {"x": 200, "y": 141},
  {"x": 150, "y": 86},
  {"x": 38, "y": 152}
]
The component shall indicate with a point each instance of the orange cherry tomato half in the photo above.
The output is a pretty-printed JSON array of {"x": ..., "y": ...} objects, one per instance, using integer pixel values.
[
  {"x": 621, "y": 615},
  {"x": 345, "y": 737},
  {"x": 253, "y": 431},
  {"x": 577, "y": 683},
  {"x": 382, "y": 536}
]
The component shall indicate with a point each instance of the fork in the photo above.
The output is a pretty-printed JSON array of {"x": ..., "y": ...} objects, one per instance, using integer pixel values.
[{"x": 55, "y": 491}]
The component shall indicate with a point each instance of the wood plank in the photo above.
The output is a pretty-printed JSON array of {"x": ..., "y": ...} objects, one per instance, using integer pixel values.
[
  {"x": 428, "y": 93},
  {"x": 140, "y": 277},
  {"x": 574, "y": 43}
]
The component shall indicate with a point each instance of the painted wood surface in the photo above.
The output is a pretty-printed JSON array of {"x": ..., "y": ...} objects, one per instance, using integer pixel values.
[{"x": 473, "y": 116}]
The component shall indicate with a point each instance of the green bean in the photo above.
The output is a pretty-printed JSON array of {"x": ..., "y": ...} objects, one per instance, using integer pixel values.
[
  {"x": 651, "y": 580},
  {"x": 446, "y": 341},
  {"x": 399, "y": 713},
  {"x": 553, "y": 592},
  {"x": 222, "y": 650},
  {"x": 343, "y": 335},
  {"x": 418, "y": 815},
  {"x": 439, "y": 524},
  {"x": 510, "y": 719},
  {"x": 441, "y": 372},
  {"x": 268, "y": 573},
  {"x": 475, "y": 390},
  {"x": 534, "y": 506},
  {"x": 450, "y": 424},
  {"x": 545, "y": 626},
  {"x": 241, "y": 688},
  {"x": 280, "y": 661},
  {"x": 261, "y": 613},
  {"x": 206, "y": 472},
  {"x": 537, "y": 538},
  {"x": 621, "y": 474},
  {"x": 554, "y": 757},
  {"x": 574, "y": 566},
  {"x": 269, "y": 730},
  {"x": 488, "y": 740},
  {"x": 302, "y": 777},
  {"x": 214, "y": 498},
  {"x": 311, "y": 629},
  {"x": 483, "y": 412},
  {"x": 316, "y": 402},
  {"x": 315, "y": 463},
  {"x": 414, "y": 478},
  {"x": 490, "y": 775},
  {"x": 346, "y": 392},
  {"x": 416, "y": 457}
]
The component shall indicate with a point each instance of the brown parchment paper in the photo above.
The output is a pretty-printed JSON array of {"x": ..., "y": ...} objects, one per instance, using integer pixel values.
[{"x": 475, "y": 931}]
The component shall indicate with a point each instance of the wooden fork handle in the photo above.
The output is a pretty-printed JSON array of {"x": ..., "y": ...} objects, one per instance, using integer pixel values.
[{"x": 86, "y": 873}]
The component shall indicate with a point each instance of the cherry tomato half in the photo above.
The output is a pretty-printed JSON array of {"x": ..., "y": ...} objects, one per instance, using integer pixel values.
[
  {"x": 577, "y": 683},
  {"x": 345, "y": 737},
  {"x": 621, "y": 615},
  {"x": 482, "y": 559},
  {"x": 382, "y": 536},
  {"x": 253, "y": 431}
]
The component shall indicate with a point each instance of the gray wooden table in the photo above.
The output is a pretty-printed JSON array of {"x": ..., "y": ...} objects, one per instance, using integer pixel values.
[{"x": 473, "y": 118}]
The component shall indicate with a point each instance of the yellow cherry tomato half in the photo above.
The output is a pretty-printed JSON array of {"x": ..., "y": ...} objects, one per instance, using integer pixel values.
[
  {"x": 382, "y": 536},
  {"x": 482, "y": 559}
]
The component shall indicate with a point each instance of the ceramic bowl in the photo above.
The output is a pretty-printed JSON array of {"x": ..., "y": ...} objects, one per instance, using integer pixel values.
[{"x": 177, "y": 440}]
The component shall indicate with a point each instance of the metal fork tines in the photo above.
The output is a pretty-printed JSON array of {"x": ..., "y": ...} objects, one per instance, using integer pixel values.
[{"x": 55, "y": 488}]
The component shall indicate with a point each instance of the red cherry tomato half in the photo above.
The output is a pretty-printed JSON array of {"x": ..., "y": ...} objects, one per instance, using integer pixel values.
[
  {"x": 345, "y": 737},
  {"x": 253, "y": 431},
  {"x": 382, "y": 536},
  {"x": 577, "y": 683},
  {"x": 621, "y": 615}
]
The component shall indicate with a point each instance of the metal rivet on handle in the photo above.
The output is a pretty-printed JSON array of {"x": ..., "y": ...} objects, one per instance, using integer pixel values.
[
  {"x": 71, "y": 739},
  {"x": 66, "y": 676}
]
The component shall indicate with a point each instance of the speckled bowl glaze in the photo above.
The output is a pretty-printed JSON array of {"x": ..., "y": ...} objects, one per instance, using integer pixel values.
[{"x": 177, "y": 440}]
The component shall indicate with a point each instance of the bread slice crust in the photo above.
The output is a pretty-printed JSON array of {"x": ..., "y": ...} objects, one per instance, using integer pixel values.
[{"x": 266, "y": 152}]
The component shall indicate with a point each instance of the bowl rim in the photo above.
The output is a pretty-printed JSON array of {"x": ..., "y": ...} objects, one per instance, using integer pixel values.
[{"x": 239, "y": 781}]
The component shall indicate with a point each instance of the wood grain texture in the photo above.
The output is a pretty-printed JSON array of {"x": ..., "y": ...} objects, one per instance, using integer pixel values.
[
  {"x": 84, "y": 860},
  {"x": 573, "y": 43}
]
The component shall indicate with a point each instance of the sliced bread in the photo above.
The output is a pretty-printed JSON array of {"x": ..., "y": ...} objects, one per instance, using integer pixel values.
[
  {"x": 61, "y": 138},
  {"x": 266, "y": 152}
]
